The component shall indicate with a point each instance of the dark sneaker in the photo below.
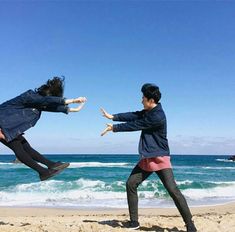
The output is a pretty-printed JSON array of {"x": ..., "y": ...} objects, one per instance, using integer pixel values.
[
  {"x": 132, "y": 225},
  {"x": 191, "y": 227},
  {"x": 50, "y": 173},
  {"x": 59, "y": 165}
]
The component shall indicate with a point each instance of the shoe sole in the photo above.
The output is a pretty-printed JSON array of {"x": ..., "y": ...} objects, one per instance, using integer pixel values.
[
  {"x": 62, "y": 166},
  {"x": 54, "y": 174},
  {"x": 134, "y": 228}
]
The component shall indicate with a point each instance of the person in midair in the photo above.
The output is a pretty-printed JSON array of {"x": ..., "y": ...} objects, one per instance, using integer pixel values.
[{"x": 19, "y": 114}]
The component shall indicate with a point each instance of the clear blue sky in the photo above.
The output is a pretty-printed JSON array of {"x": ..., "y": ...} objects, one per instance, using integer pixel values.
[{"x": 107, "y": 50}]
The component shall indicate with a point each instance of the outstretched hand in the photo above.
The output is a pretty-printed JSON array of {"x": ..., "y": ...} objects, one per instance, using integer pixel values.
[
  {"x": 107, "y": 129},
  {"x": 105, "y": 114},
  {"x": 76, "y": 109},
  {"x": 79, "y": 100},
  {"x": 75, "y": 100}
]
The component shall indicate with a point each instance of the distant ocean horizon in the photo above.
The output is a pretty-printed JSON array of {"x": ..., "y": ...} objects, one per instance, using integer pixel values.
[{"x": 98, "y": 181}]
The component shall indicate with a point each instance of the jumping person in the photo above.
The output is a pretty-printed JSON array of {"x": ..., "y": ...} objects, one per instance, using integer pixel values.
[
  {"x": 22, "y": 112},
  {"x": 154, "y": 153}
]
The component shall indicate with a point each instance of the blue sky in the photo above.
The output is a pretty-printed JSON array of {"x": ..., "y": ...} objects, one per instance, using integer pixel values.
[{"x": 107, "y": 50}]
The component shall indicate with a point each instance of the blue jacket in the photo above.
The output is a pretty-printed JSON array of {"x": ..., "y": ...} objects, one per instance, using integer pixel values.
[
  {"x": 22, "y": 112},
  {"x": 153, "y": 140}
]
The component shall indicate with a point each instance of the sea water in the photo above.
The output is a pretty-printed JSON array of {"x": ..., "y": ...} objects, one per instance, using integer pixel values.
[{"x": 98, "y": 181}]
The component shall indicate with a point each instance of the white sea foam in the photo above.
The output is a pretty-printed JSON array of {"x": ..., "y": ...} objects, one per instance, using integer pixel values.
[
  {"x": 216, "y": 192},
  {"x": 221, "y": 182},
  {"x": 219, "y": 168},
  {"x": 11, "y": 164},
  {"x": 96, "y": 193},
  {"x": 194, "y": 173},
  {"x": 185, "y": 182},
  {"x": 183, "y": 167},
  {"x": 95, "y": 164},
  {"x": 72, "y": 165},
  {"x": 225, "y": 160},
  {"x": 79, "y": 193}
]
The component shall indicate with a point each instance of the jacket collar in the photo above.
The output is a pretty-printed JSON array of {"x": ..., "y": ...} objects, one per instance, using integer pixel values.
[{"x": 156, "y": 108}]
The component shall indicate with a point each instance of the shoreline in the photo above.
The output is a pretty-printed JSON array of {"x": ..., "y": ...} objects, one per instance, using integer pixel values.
[
  {"x": 36, "y": 211},
  {"x": 207, "y": 219},
  {"x": 209, "y": 206},
  {"x": 232, "y": 203}
]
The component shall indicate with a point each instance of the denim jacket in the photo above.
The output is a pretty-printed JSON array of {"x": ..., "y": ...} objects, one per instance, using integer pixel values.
[
  {"x": 153, "y": 140},
  {"x": 22, "y": 112}
]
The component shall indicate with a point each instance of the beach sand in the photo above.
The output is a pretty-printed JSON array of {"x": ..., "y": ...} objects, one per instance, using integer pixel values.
[{"x": 207, "y": 219}]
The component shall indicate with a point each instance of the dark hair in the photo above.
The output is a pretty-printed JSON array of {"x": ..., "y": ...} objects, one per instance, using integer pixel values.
[
  {"x": 151, "y": 91},
  {"x": 53, "y": 87}
]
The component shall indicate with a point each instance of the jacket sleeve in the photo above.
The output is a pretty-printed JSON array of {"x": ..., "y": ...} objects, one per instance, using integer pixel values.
[
  {"x": 35, "y": 100},
  {"x": 127, "y": 117},
  {"x": 58, "y": 109},
  {"x": 139, "y": 124}
]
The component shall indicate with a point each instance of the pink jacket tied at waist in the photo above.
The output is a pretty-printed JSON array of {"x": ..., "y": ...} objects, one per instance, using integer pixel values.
[{"x": 155, "y": 164}]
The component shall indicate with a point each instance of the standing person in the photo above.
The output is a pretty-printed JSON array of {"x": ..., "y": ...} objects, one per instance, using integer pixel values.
[
  {"x": 154, "y": 153},
  {"x": 22, "y": 112}
]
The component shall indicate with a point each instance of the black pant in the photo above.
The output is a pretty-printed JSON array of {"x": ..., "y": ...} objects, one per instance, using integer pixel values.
[
  {"x": 166, "y": 176},
  {"x": 27, "y": 155}
]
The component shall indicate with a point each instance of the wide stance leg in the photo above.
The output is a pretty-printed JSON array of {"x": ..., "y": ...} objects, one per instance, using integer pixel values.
[
  {"x": 167, "y": 178},
  {"x": 136, "y": 177}
]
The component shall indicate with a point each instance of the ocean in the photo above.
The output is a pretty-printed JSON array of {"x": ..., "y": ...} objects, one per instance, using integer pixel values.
[{"x": 98, "y": 182}]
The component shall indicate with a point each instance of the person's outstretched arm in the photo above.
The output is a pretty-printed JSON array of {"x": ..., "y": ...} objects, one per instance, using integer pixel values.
[
  {"x": 65, "y": 108},
  {"x": 35, "y": 100},
  {"x": 123, "y": 117},
  {"x": 140, "y": 124}
]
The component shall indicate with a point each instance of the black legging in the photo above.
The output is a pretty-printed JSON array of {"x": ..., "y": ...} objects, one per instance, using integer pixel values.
[
  {"x": 27, "y": 155},
  {"x": 166, "y": 176}
]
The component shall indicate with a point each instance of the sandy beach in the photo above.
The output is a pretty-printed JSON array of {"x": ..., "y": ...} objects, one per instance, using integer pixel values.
[{"x": 207, "y": 219}]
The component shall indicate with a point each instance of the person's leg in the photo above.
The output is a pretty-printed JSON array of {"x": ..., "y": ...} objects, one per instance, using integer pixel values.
[
  {"x": 136, "y": 177},
  {"x": 34, "y": 154},
  {"x": 167, "y": 178},
  {"x": 40, "y": 158},
  {"x": 16, "y": 146}
]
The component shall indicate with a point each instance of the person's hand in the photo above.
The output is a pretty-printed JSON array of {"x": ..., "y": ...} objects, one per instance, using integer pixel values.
[
  {"x": 76, "y": 109},
  {"x": 79, "y": 100},
  {"x": 107, "y": 129},
  {"x": 75, "y": 100},
  {"x": 105, "y": 114}
]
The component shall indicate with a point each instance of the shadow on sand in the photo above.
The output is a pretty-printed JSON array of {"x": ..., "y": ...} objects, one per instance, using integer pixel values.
[{"x": 117, "y": 223}]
